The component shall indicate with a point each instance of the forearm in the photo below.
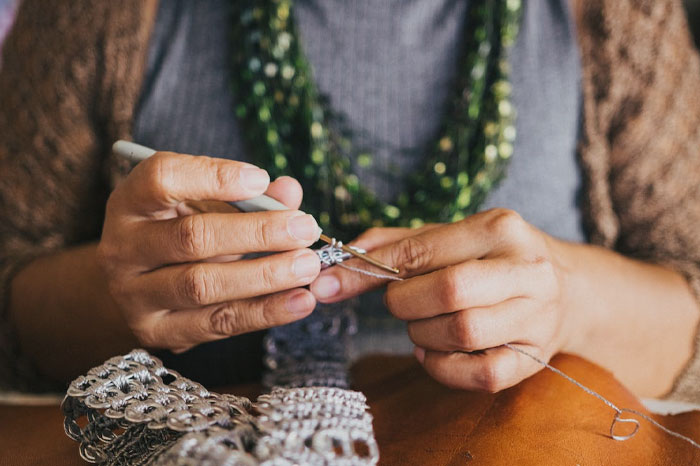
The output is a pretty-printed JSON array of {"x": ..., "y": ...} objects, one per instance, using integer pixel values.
[
  {"x": 637, "y": 319},
  {"x": 63, "y": 314}
]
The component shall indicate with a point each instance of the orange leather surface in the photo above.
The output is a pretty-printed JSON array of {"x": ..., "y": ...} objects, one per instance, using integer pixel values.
[{"x": 544, "y": 420}]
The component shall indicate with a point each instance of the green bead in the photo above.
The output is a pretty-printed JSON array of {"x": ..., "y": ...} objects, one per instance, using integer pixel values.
[
  {"x": 259, "y": 88},
  {"x": 505, "y": 150},
  {"x": 272, "y": 137},
  {"x": 280, "y": 161},
  {"x": 464, "y": 198},
  {"x": 283, "y": 11},
  {"x": 352, "y": 182},
  {"x": 392, "y": 211},
  {"x": 445, "y": 144},
  {"x": 490, "y": 153},
  {"x": 478, "y": 71},
  {"x": 264, "y": 114},
  {"x": 316, "y": 130},
  {"x": 513, "y": 5},
  {"x": 341, "y": 193},
  {"x": 490, "y": 129},
  {"x": 284, "y": 40},
  {"x": 504, "y": 108},
  {"x": 270, "y": 70},
  {"x": 502, "y": 89},
  {"x": 287, "y": 72},
  {"x": 364, "y": 160},
  {"x": 509, "y": 133},
  {"x": 317, "y": 156}
]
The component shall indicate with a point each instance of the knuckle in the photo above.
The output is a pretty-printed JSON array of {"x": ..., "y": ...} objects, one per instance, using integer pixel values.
[
  {"x": 197, "y": 285},
  {"x": 268, "y": 277},
  {"x": 222, "y": 174},
  {"x": 465, "y": 332},
  {"x": 192, "y": 236},
  {"x": 265, "y": 234},
  {"x": 146, "y": 338},
  {"x": 546, "y": 273},
  {"x": 452, "y": 293},
  {"x": 544, "y": 268},
  {"x": 240, "y": 317},
  {"x": 491, "y": 378},
  {"x": 225, "y": 321},
  {"x": 412, "y": 254},
  {"x": 506, "y": 224},
  {"x": 260, "y": 232},
  {"x": 144, "y": 331},
  {"x": 158, "y": 174}
]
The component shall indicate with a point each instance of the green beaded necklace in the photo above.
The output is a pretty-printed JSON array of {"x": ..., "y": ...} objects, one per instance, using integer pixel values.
[{"x": 290, "y": 130}]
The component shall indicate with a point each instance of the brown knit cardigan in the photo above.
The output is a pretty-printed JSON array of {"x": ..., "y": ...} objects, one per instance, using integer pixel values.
[{"x": 71, "y": 77}]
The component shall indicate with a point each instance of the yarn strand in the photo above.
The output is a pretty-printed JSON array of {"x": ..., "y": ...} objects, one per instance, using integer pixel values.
[{"x": 618, "y": 411}]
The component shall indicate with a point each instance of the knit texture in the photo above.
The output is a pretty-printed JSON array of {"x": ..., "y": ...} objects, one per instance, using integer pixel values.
[{"x": 62, "y": 104}]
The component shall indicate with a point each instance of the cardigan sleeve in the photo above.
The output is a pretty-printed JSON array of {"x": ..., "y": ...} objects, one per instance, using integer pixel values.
[
  {"x": 643, "y": 97},
  {"x": 69, "y": 83},
  {"x": 52, "y": 188}
]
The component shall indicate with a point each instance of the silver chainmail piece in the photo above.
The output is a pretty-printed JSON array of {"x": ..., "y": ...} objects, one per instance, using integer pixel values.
[{"x": 133, "y": 411}]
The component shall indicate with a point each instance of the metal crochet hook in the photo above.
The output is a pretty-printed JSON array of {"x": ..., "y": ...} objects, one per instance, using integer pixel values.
[{"x": 137, "y": 152}]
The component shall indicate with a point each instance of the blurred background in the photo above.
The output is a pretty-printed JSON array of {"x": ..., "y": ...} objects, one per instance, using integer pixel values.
[
  {"x": 8, "y": 8},
  {"x": 693, "y": 8},
  {"x": 7, "y": 12}
]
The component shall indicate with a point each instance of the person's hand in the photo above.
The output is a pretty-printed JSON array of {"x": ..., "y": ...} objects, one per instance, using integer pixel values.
[
  {"x": 469, "y": 288},
  {"x": 169, "y": 259}
]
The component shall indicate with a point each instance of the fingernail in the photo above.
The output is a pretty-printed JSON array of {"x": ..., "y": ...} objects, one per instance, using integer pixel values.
[
  {"x": 303, "y": 227},
  {"x": 254, "y": 179},
  {"x": 299, "y": 303},
  {"x": 306, "y": 266},
  {"x": 326, "y": 286},
  {"x": 419, "y": 354}
]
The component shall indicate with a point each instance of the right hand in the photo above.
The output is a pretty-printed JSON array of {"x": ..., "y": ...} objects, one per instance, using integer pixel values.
[{"x": 173, "y": 271}]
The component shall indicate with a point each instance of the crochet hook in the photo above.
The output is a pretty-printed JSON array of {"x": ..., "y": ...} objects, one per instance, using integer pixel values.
[{"x": 136, "y": 153}]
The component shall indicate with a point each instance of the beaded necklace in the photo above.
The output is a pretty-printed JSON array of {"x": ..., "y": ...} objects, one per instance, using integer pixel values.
[{"x": 290, "y": 129}]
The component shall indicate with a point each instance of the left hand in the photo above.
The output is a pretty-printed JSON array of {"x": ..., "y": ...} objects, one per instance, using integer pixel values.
[{"x": 469, "y": 288}]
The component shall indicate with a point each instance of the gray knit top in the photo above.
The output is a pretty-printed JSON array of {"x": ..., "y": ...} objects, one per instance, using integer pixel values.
[{"x": 387, "y": 66}]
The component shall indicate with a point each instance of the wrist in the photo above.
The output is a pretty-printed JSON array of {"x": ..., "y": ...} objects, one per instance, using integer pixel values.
[{"x": 575, "y": 292}]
